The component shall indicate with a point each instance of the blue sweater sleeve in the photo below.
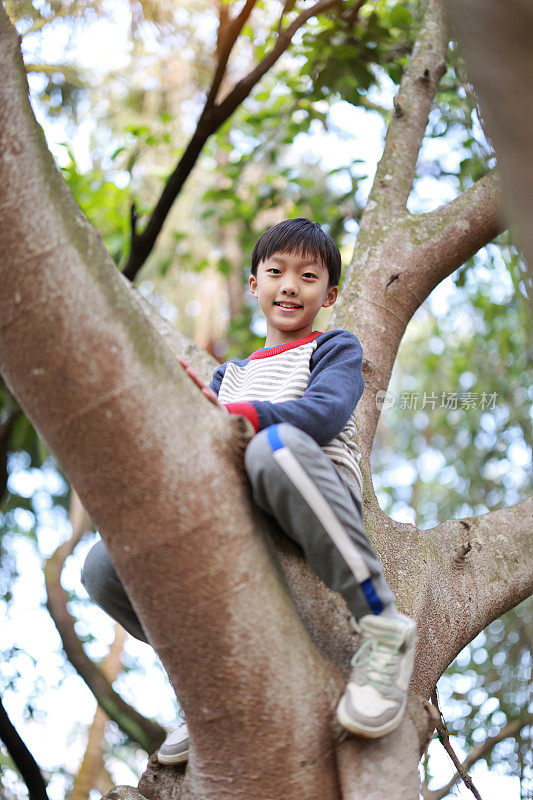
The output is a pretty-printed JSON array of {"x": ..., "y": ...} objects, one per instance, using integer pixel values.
[
  {"x": 333, "y": 391},
  {"x": 216, "y": 380}
]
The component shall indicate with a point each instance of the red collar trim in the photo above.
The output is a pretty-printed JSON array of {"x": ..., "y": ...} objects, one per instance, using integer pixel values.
[{"x": 282, "y": 348}]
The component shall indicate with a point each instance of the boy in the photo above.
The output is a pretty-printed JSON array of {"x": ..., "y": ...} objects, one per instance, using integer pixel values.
[{"x": 299, "y": 392}]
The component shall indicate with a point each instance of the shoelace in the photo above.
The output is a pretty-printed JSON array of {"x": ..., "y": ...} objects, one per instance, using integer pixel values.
[{"x": 376, "y": 661}]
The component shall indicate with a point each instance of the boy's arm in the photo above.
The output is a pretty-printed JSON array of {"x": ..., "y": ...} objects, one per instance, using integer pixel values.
[{"x": 333, "y": 391}]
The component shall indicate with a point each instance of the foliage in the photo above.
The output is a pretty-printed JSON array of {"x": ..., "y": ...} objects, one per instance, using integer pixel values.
[{"x": 102, "y": 201}]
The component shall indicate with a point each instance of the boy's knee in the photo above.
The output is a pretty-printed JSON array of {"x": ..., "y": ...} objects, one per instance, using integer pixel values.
[
  {"x": 98, "y": 575},
  {"x": 259, "y": 453}
]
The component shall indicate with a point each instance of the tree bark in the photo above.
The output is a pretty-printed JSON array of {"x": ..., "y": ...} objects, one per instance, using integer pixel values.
[
  {"x": 117, "y": 395},
  {"x": 499, "y": 59}
]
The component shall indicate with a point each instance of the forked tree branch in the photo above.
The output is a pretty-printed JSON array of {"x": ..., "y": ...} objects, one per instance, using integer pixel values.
[
  {"x": 228, "y": 33},
  {"x": 509, "y": 731},
  {"x": 212, "y": 117},
  {"x": 144, "y": 731},
  {"x": 467, "y": 573},
  {"x": 440, "y": 241},
  {"x": 399, "y": 258},
  {"x": 451, "y": 234}
]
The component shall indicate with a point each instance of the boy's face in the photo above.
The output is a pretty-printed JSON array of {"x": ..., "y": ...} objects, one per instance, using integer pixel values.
[{"x": 291, "y": 290}]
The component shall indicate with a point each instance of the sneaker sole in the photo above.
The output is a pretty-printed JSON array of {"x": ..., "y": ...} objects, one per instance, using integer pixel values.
[
  {"x": 179, "y": 758},
  {"x": 366, "y": 731}
]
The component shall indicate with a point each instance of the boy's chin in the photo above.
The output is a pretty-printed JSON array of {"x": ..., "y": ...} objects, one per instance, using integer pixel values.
[{"x": 289, "y": 325}]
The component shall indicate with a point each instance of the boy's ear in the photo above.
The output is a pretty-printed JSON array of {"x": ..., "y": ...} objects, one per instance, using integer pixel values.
[
  {"x": 252, "y": 283},
  {"x": 331, "y": 296}
]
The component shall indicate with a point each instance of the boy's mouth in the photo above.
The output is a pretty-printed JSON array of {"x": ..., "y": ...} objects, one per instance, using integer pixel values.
[{"x": 287, "y": 306}]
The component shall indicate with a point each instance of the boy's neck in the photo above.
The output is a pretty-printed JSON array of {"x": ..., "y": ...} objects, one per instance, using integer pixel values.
[{"x": 276, "y": 337}]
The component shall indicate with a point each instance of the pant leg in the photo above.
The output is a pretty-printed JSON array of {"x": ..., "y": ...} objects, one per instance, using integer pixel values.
[
  {"x": 104, "y": 586},
  {"x": 295, "y": 482}
]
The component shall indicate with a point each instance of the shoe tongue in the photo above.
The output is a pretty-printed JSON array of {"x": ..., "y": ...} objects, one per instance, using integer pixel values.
[{"x": 386, "y": 630}]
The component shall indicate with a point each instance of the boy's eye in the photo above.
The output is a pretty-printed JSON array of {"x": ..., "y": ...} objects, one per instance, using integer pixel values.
[
  {"x": 309, "y": 275},
  {"x": 274, "y": 271}
]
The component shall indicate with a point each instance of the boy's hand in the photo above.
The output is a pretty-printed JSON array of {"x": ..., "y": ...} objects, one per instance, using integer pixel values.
[{"x": 209, "y": 393}]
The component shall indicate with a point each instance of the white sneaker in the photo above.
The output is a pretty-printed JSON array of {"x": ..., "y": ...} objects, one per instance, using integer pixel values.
[
  {"x": 375, "y": 696},
  {"x": 175, "y": 748}
]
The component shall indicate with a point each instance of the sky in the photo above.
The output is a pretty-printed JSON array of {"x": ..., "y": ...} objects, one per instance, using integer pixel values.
[{"x": 101, "y": 46}]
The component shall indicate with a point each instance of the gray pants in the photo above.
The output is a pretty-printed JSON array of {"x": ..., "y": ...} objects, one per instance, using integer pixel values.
[{"x": 297, "y": 484}]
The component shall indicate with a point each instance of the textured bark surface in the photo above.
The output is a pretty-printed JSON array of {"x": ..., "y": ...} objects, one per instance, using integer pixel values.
[
  {"x": 495, "y": 42},
  {"x": 259, "y": 651}
]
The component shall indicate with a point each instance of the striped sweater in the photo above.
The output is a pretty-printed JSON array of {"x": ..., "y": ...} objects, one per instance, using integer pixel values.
[{"x": 313, "y": 383}]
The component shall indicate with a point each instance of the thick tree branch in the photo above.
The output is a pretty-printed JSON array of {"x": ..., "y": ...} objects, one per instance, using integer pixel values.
[
  {"x": 498, "y": 57},
  {"x": 419, "y": 251},
  {"x": 458, "y": 229},
  {"x": 400, "y": 258},
  {"x": 509, "y": 731},
  {"x": 145, "y": 732},
  {"x": 159, "y": 782},
  {"x": 211, "y": 119},
  {"x": 388, "y": 277},
  {"x": 439, "y": 242},
  {"x": 250, "y": 683},
  {"x": 366, "y": 767},
  {"x": 468, "y": 573},
  {"x": 396, "y": 170},
  {"x": 22, "y": 758}
]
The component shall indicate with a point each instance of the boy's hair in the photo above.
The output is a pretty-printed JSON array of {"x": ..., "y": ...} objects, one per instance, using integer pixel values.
[{"x": 299, "y": 234}]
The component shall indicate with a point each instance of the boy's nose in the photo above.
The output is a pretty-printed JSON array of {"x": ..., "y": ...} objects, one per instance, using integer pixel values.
[{"x": 288, "y": 290}]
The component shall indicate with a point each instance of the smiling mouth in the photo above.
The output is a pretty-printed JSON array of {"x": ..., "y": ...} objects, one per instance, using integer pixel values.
[{"x": 288, "y": 306}]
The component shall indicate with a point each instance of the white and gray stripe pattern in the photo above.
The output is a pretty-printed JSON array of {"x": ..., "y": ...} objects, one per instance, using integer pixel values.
[{"x": 283, "y": 377}]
